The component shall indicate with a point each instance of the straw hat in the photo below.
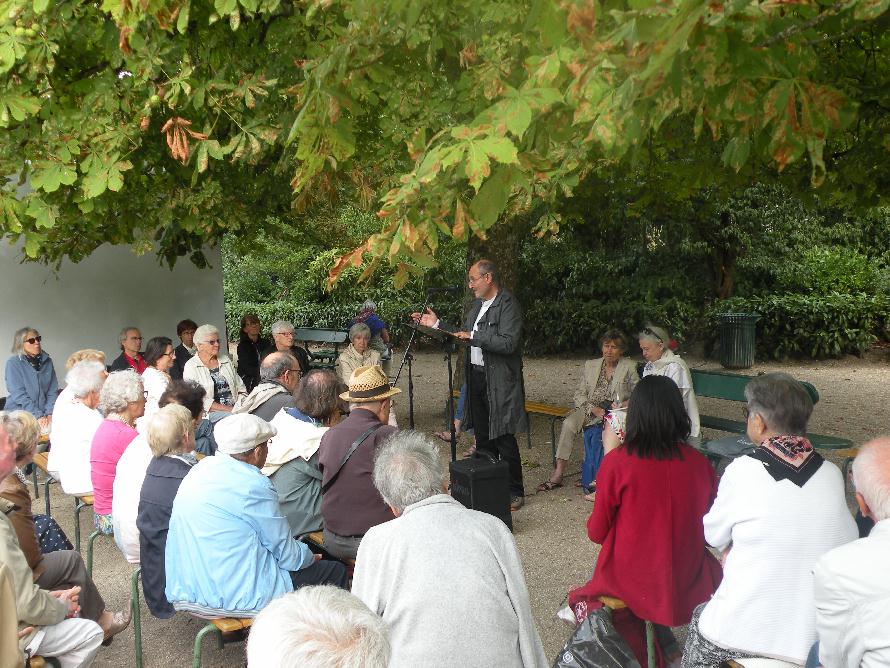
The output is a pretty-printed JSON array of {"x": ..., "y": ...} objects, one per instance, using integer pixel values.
[{"x": 368, "y": 383}]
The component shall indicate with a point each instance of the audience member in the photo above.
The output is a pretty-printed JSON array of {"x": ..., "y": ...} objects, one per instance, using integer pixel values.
[
  {"x": 318, "y": 627},
  {"x": 132, "y": 468},
  {"x": 185, "y": 330},
  {"x": 292, "y": 462},
  {"x": 69, "y": 457},
  {"x": 380, "y": 341},
  {"x": 226, "y": 519},
  {"x": 357, "y": 353},
  {"x": 602, "y": 381},
  {"x": 777, "y": 512},
  {"x": 59, "y": 569},
  {"x": 30, "y": 378},
  {"x": 171, "y": 437},
  {"x": 10, "y": 652},
  {"x": 279, "y": 376},
  {"x": 66, "y": 396},
  {"x": 213, "y": 370},
  {"x": 350, "y": 504},
  {"x": 46, "y": 620},
  {"x": 130, "y": 357},
  {"x": 440, "y": 572},
  {"x": 852, "y": 590},
  {"x": 121, "y": 401},
  {"x": 652, "y": 494},
  {"x": 283, "y": 341},
  {"x": 159, "y": 359},
  {"x": 251, "y": 347}
]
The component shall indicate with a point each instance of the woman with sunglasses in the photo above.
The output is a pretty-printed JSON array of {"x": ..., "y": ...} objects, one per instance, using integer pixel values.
[{"x": 30, "y": 378}]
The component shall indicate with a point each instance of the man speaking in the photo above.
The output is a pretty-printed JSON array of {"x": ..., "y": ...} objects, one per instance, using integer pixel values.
[{"x": 495, "y": 389}]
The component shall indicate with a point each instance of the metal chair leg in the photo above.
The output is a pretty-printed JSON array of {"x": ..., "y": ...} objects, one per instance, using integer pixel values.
[
  {"x": 137, "y": 620},
  {"x": 34, "y": 478},
  {"x": 46, "y": 495},
  {"x": 650, "y": 645},
  {"x": 78, "y": 506},
  {"x": 90, "y": 541},
  {"x": 196, "y": 654}
]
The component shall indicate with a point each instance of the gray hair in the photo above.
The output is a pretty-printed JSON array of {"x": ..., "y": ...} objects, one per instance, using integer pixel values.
[
  {"x": 654, "y": 334},
  {"x": 121, "y": 388},
  {"x": 407, "y": 469},
  {"x": 275, "y": 364},
  {"x": 281, "y": 326},
  {"x": 782, "y": 402},
  {"x": 23, "y": 430},
  {"x": 85, "y": 377},
  {"x": 486, "y": 266},
  {"x": 369, "y": 305},
  {"x": 18, "y": 340},
  {"x": 318, "y": 627},
  {"x": 319, "y": 394},
  {"x": 166, "y": 429},
  {"x": 203, "y": 333},
  {"x": 123, "y": 335},
  {"x": 359, "y": 329},
  {"x": 871, "y": 475}
]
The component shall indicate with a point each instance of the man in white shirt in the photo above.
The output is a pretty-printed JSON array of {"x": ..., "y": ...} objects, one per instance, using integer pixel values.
[
  {"x": 495, "y": 388},
  {"x": 852, "y": 588}
]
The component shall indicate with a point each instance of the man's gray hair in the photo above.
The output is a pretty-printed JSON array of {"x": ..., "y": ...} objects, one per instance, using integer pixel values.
[
  {"x": 120, "y": 389},
  {"x": 85, "y": 377},
  {"x": 282, "y": 326},
  {"x": 407, "y": 469},
  {"x": 123, "y": 335},
  {"x": 871, "y": 475},
  {"x": 275, "y": 364},
  {"x": 205, "y": 332},
  {"x": 782, "y": 402},
  {"x": 318, "y": 627},
  {"x": 18, "y": 340},
  {"x": 359, "y": 329}
]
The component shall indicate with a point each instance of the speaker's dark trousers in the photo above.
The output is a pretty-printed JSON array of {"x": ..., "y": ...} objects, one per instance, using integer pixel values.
[{"x": 504, "y": 446}]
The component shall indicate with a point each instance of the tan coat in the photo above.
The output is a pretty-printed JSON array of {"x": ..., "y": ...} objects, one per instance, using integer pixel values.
[
  {"x": 14, "y": 492},
  {"x": 624, "y": 380},
  {"x": 10, "y": 654},
  {"x": 351, "y": 359}
]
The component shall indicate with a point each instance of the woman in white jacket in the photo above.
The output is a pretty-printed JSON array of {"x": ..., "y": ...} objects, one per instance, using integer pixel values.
[{"x": 214, "y": 371}]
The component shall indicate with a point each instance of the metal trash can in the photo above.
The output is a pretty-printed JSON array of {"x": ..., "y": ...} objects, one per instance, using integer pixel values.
[{"x": 737, "y": 339}]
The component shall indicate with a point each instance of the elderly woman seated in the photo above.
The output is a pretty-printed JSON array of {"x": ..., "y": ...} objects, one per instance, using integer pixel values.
[
  {"x": 69, "y": 457},
  {"x": 778, "y": 510},
  {"x": 652, "y": 493},
  {"x": 380, "y": 340},
  {"x": 60, "y": 569},
  {"x": 30, "y": 378},
  {"x": 122, "y": 402},
  {"x": 213, "y": 370},
  {"x": 357, "y": 353}
]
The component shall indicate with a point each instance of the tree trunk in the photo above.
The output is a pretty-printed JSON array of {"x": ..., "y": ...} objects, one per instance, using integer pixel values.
[{"x": 725, "y": 270}]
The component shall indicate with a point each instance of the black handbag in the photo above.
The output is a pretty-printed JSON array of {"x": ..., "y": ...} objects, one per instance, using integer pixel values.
[{"x": 596, "y": 644}]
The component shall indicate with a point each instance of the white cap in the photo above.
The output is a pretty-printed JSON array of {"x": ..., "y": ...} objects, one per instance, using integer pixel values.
[{"x": 241, "y": 432}]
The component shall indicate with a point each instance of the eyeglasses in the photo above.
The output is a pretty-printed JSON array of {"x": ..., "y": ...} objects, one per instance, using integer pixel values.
[
  {"x": 290, "y": 334},
  {"x": 33, "y": 340},
  {"x": 135, "y": 338},
  {"x": 649, "y": 332},
  {"x": 211, "y": 343},
  {"x": 171, "y": 355},
  {"x": 475, "y": 279},
  {"x": 297, "y": 370}
]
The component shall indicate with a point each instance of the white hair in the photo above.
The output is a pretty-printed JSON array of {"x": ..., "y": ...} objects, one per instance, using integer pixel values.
[
  {"x": 318, "y": 627},
  {"x": 120, "y": 389},
  {"x": 281, "y": 326},
  {"x": 369, "y": 305},
  {"x": 871, "y": 475},
  {"x": 85, "y": 377},
  {"x": 407, "y": 469},
  {"x": 654, "y": 334},
  {"x": 167, "y": 427},
  {"x": 203, "y": 333}
]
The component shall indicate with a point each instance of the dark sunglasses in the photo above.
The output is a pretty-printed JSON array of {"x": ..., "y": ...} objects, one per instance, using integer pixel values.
[
  {"x": 34, "y": 339},
  {"x": 649, "y": 332}
]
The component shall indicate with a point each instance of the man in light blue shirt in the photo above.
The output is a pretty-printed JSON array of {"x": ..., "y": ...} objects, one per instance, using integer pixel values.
[{"x": 229, "y": 550}]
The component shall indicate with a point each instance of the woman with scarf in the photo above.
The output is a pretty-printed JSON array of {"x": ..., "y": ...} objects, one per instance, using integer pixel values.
[
  {"x": 379, "y": 332},
  {"x": 777, "y": 511},
  {"x": 31, "y": 379}
]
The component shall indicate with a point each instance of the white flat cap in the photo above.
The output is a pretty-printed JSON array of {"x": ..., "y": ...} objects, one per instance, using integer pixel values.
[{"x": 241, "y": 432}]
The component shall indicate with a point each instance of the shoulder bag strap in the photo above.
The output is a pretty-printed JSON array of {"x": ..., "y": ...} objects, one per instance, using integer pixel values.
[{"x": 352, "y": 448}]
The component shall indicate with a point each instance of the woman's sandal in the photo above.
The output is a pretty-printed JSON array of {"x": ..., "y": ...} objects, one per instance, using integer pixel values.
[{"x": 548, "y": 486}]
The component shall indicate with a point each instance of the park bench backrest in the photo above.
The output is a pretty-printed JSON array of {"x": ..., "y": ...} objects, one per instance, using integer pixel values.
[
  {"x": 320, "y": 335},
  {"x": 731, "y": 386}
]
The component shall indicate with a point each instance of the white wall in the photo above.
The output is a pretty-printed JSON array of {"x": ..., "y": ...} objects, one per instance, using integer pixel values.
[{"x": 85, "y": 305}]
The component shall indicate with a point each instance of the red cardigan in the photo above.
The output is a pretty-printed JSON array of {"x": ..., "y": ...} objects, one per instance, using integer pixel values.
[{"x": 648, "y": 519}]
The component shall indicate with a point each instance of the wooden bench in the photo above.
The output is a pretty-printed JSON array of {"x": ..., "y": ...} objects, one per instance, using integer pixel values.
[
  {"x": 43, "y": 661},
  {"x": 316, "y": 538},
  {"x": 41, "y": 461},
  {"x": 337, "y": 337},
  {"x": 80, "y": 502},
  {"x": 220, "y": 626}
]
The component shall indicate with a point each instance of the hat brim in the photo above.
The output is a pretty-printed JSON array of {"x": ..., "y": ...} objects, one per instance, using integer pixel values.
[{"x": 377, "y": 397}]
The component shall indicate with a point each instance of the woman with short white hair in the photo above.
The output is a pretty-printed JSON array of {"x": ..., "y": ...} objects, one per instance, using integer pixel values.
[
  {"x": 30, "y": 378},
  {"x": 380, "y": 340},
  {"x": 69, "y": 456},
  {"x": 122, "y": 401},
  {"x": 357, "y": 353},
  {"x": 213, "y": 370}
]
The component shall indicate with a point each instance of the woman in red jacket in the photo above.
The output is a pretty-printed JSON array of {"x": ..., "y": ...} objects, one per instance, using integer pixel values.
[{"x": 652, "y": 493}]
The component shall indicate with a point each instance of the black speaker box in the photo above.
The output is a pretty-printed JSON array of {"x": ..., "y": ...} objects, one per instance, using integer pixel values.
[{"x": 481, "y": 484}]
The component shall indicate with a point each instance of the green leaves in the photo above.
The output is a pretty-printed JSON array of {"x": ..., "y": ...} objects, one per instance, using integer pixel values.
[
  {"x": 101, "y": 174},
  {"x": 16, "y": 106},
  {"x": 48, "y": 176}
]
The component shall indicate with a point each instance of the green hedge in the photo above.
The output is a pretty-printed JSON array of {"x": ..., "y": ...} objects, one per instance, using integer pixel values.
[{"x": 816, "y": 326}]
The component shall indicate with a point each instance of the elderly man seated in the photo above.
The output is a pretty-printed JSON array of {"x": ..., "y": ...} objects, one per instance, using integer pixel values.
[
  {"x": 229, "y": 550},
  {"x": 283, "y": 341},
  {"x": 279, "y": 377},
  {"x": 318, "y": 627},
  {"x": 447, "y": 580},
  {"x": 45, "y": 619},
  {"x": 350, "y": 504},
  {"x": 292, "y": 462},
  {"x": 852, "y": 588}
]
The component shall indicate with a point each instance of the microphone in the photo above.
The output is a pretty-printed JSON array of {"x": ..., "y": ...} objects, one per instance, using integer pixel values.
[{"x": 447, "y": 288}]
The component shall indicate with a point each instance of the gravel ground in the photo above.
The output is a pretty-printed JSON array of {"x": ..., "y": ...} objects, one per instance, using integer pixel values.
[{"x": 549, "y": 530}]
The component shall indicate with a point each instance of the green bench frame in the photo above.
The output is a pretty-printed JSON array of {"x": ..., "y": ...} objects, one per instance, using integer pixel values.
[{"x": 337, "y": 337}]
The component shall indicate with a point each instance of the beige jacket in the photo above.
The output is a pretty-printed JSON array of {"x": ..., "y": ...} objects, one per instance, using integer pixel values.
[
  {"x": 351, "y": 359},
  {"x": 10, "y": 654},
  {"x": 624, "y": 380},
  {"x": 34, "y": 606},
  {"x": 196, "y": 371}
]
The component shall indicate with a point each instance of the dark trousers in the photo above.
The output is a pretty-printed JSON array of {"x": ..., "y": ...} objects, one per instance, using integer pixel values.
[
  {"x": 502, "y": 447},
  {"x": 65, "y": 569},
  {"x": 341, "y": 547},
  {"x": 319, "y": 573}
]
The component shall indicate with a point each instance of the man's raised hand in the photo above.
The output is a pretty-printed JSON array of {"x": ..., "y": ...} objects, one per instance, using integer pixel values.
[{"x": 428, "y": 319}]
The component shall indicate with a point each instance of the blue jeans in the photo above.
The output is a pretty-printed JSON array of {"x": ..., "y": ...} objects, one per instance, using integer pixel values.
[
  {"x": 593, "y": 454},
  {"x": 813, "y": 658}
]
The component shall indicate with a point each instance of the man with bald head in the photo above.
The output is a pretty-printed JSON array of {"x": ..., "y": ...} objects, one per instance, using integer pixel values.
[
  {"x": 852, "y": 582},
  {"x": 279, "y": 376}
]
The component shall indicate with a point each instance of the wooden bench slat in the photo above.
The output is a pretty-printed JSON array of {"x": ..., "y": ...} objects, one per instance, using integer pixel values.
[
  {"x": 612, "y": 603},
  {"x": 231, "y": 624},
  {"x": 41, "y": 460},
  {"x": 316, "y": 537},
  {"x": 86, "y": 498}
]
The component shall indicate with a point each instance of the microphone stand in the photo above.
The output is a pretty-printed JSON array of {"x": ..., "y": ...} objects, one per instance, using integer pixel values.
[{"x": 408, "y": 358}]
